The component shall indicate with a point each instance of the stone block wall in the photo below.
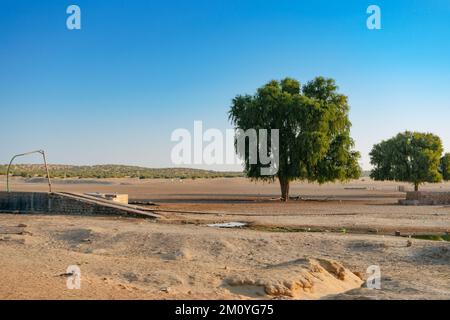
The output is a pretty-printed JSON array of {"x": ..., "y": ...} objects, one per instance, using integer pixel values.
[
  {"x": 428, "y": 198},
  {"x": 51, "y": 203}
]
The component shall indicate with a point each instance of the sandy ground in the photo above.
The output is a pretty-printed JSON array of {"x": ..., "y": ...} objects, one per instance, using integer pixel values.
[{"x": 181, "y": 257}]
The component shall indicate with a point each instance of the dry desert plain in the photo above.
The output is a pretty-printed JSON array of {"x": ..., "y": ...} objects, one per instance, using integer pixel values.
[{"x": 316, "y": 247}]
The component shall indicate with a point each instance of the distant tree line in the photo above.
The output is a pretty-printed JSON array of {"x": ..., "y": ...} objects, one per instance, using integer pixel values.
[{"x": 113, "y": 171}]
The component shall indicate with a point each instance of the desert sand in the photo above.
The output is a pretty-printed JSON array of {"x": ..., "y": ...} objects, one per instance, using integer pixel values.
[{"x": 316, "y": 247}]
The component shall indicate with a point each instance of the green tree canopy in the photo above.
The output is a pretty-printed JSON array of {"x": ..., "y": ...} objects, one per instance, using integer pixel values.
[
  {"x": 410, "y": 157},
  {"x": 314, "y": 130},
  {"x": 445, "y": 167}
]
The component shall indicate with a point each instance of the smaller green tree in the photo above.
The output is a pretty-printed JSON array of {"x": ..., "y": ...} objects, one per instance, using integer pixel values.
[
  {"x": 445, "y": 167},
  {"x": 410, "y": 157}
]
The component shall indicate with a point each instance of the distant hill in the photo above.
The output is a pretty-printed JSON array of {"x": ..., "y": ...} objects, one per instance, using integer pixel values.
[{"x": 113, "y": 171}]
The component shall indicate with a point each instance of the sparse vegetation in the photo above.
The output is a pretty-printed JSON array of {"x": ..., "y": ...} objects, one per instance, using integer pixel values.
[
  {"x": 113, "y": 171},
  {"x": 432, "y": 237}
]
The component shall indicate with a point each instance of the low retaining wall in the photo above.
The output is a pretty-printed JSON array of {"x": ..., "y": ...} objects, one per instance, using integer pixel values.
[
  {"x": 426, "y": 198},
  {"x": 54, "y": 203}
]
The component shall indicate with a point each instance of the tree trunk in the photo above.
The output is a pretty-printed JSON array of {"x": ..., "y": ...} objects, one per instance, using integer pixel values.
[
  {"x": 416, "y": 186},
  {"x": 284, "y": 184}
]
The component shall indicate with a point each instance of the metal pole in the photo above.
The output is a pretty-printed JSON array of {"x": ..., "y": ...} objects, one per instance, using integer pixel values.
[
  {"x": 25, "y": 154},
  {"x": 7, "y": 173},
  {"x": 48, "y": 173}
]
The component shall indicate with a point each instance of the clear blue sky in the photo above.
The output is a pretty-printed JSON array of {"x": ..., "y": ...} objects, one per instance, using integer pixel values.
[{"x": 114, "y": 91}]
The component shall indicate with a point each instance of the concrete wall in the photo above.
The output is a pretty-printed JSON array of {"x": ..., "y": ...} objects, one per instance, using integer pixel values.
[
  {"x": 428, "y": 198},
  {"x": 51, "y": 203}
]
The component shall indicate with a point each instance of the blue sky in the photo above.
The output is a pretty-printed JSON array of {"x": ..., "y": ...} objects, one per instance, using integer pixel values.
[{"x": 114, "y": 91}]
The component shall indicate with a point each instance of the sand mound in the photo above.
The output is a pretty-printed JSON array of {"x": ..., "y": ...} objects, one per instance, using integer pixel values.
[{"x": 300, "y": 279}]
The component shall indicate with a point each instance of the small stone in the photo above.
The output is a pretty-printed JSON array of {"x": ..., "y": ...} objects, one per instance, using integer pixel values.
[
  {"x": 165, "y": 289},
  {"x": 409, "y": 243}
]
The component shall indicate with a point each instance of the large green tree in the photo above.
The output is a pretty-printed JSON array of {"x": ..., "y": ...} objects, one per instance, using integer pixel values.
[
  {"x": 410, "y": 157},
  {"x": 314, "y": 131},
  {"x": 445, "y": 167}
]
